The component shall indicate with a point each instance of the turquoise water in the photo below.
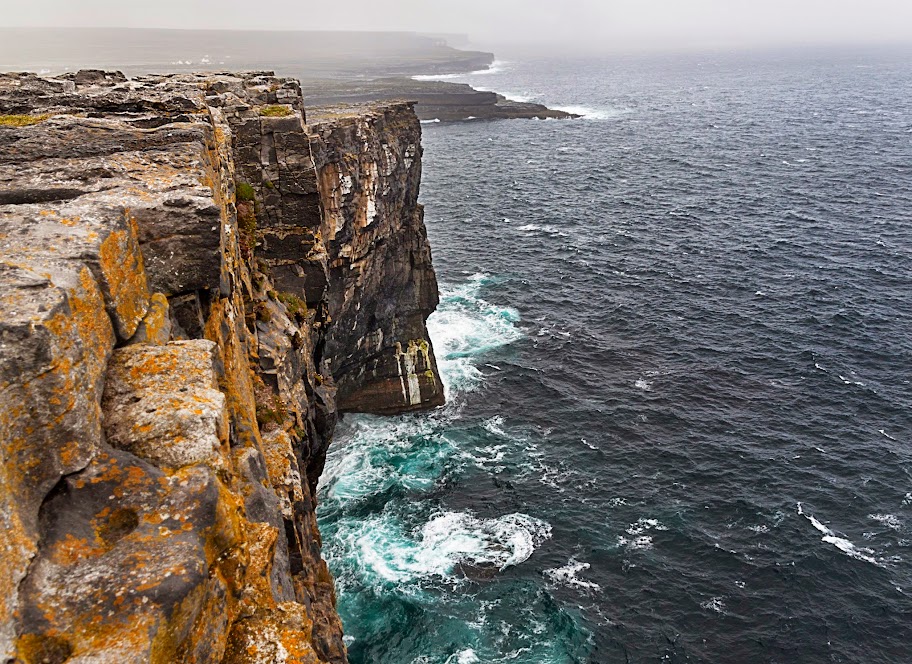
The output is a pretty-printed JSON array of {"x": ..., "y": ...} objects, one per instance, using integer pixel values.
[
  {"x": 675, "y": 337},
  {"x": 418, "y": 576}
]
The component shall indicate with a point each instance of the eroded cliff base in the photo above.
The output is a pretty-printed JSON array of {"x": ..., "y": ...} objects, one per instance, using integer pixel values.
[{"x": 194, "y": 282}]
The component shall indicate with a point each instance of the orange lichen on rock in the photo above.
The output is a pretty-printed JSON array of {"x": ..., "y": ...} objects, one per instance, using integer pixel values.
[
  {"x": 279, "y": 635},
  {"x": 164, "y": 405},
  {"x": 155, "y": 327},
  {"x": 187, "y": 532},
  {"x": 125, "y": 276},
  {"x": 57, "y": 338}
]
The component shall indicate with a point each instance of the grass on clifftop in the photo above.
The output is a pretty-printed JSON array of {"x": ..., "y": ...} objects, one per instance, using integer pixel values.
[
  {"x": 21, "y": 120},
  {"x": 275, "y": 111}
]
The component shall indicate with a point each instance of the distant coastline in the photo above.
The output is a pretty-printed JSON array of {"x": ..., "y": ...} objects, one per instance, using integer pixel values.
[
  {"x": 335, "y": 68},
  {"x": 441, "y": 101}
]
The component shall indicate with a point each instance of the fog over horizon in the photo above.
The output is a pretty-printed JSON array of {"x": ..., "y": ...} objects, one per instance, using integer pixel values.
[{"x": 576, "y": 25}]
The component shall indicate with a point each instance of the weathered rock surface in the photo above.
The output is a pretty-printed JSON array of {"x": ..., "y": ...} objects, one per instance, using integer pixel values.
[
  {"x": 194, "y": 281},
  {"x": 343, "y": 230}
]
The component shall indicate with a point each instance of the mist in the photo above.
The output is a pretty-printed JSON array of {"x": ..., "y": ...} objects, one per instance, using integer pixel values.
[{"x": 577, "y": 25}]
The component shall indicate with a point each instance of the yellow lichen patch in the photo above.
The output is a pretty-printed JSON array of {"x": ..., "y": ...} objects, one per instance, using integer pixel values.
[
  {"x": 43, "y": 649},
  {"x": 279, "y": 635},
  {"x": 153, "y": 364},
  {"x": 276, "y": 111},
  {"x": 125, "y": 276},
  {"x": 167, "y": 640},
  {"x": 119, "y": 638},
  {"x": 21, "y": 120},
  {"x": 229, "y": 527},
  {"x": 236, "y": 383},
  {"x": 262, "y": 540}
]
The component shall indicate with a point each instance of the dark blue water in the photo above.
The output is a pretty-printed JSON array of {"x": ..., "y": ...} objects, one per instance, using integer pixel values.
[{"x": 676, "y": 338}]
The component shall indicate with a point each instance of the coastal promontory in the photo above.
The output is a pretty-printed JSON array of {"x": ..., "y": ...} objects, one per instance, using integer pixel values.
[{"x": 197, "y": 277}]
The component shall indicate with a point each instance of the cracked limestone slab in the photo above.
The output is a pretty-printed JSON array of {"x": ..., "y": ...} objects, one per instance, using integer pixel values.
[{"x": 162, "y": 403}]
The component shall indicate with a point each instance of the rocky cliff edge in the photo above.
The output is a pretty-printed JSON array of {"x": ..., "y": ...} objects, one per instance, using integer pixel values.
[{"x": 194, "y": 283}]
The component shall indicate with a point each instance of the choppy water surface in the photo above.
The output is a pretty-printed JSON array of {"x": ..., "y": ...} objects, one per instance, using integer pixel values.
[{"x": 676, "y": 341}]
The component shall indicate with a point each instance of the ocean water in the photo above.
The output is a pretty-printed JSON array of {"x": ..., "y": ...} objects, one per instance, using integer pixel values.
[{"x": 676, "y": 337}]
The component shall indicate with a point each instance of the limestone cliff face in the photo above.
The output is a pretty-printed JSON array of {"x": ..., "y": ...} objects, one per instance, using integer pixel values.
[
  {"x": 194, "y": 281},
  {"x": 344, "y": 227}
]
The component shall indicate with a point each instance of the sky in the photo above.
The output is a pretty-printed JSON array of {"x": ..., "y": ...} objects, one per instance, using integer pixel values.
[{"x": 583, "y": 24}]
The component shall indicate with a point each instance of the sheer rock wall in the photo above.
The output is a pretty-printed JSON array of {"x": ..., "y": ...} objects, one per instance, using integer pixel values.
[{"x": 194, "y": 282}]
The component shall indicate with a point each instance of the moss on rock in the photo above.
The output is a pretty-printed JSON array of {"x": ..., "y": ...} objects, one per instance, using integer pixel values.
[
  {"x": 275, "y": 111},
  {"x": 21, "y": 120}
]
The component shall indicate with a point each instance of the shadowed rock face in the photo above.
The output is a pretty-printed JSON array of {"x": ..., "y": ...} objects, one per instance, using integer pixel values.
[
  {"x": 342, "y": 229},
  {"x": 193, "y": 282}
]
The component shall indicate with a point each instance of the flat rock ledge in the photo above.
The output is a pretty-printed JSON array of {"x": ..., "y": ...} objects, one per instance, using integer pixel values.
[{"x": 194, "y": 283}]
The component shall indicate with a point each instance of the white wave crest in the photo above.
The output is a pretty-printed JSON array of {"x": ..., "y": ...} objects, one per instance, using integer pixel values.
[
  {"x": 547, "y": 229},
  {"x": 889, "y": 520},
  {"x": 567, "y": 576},
  {"x": 496, "y": 67},
  {"x": 466, "y": 656},
  {"x": 589, "y": 113},
  {"x": 841, "y": 543},
  {"x": 716, "y": 604}
]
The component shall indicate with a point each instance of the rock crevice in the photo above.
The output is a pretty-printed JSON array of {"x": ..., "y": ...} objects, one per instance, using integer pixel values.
[{"x": 196, "y": 279}]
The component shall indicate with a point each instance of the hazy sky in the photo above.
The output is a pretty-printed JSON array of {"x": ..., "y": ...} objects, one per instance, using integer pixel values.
[{"x": 607, "y": 24}]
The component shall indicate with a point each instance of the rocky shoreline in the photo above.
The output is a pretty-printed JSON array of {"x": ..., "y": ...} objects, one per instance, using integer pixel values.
[
  {"x": 335, "y": 68},
  {"x": 196, "y": 280},
  {"x": 434, "y": 100}
]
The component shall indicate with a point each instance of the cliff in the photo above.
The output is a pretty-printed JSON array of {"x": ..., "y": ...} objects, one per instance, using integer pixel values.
[{"x": 194, "y": 282}]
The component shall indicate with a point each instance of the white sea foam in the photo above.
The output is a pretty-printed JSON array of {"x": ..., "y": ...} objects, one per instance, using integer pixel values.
[
  {"x": 567, "y": 576},
  {"x": 716, "y": 604},
  {"x": 637, "y": 535},
  {"x": 383, "y": 548},
  {"x": 547, "y": 229},
  {"x": 521, "y": 97},
  {"x": 495, "y": 426},
  {"x": 464, "y": 327},
  {"x": 496, "y": 67},
  {"x": 466, "y": 656},
  {"x": 434, "y": 121},
  {"x": 841, "y": 543},
  {"x": 369, "y": 459},
  {"x": 889, "y": 520},
  {"x": 589, "y": 113},
  {"x": 644, "y": 525},
  {"x": 642, "y": 384}
]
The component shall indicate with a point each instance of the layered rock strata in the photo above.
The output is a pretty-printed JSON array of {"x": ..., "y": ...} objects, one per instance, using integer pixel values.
[{"x": 194, "y": 283}]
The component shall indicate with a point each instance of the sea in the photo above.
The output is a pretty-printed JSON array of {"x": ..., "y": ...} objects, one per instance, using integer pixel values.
[{"x": 676, "y": 339}]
